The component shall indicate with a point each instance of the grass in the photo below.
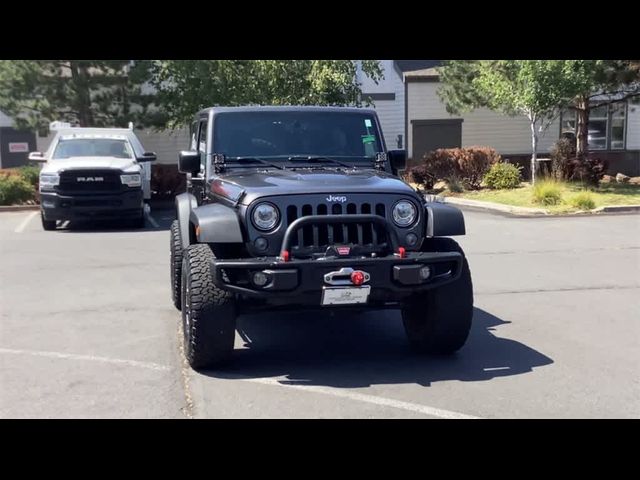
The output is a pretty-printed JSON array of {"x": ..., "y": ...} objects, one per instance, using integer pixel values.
[{"x": 572, "y": 196}]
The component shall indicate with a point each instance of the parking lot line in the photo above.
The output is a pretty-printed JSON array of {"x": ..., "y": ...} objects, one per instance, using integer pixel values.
[
  {"x": 361, "y": 397},
  {"x": 25, "y": 222},
  {"x": 90, "y": 358}
]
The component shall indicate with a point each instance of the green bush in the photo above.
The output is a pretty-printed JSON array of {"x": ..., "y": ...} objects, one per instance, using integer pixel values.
[
  {"x": 503, "y": 175},
  {"x": 547, "y": 192},
  {"x": 15, "y": 190},
  {"x": 31, "y": 174},
  {"x": 583, "y": 201}
]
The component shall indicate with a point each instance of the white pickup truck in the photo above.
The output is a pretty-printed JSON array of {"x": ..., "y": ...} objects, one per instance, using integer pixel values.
[{"x": 93, "y": 173}]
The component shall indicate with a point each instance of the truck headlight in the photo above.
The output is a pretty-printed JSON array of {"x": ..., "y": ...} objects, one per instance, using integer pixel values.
[
  {"x": 404, "y": 213},
  {"x": 265, "y": 216},
  {"x": 131, "y": 180},
  {"x": 49, "y": 180}
]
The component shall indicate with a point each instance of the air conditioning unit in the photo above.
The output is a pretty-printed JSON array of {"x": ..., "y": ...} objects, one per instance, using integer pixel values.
[{"x": 59, "y": 125}]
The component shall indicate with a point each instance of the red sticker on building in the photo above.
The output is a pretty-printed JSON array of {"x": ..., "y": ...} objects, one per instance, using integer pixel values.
[{"x": 18, "y": 147}]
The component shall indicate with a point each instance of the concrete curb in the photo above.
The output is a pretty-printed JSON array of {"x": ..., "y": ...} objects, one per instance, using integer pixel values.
[
  {"x": 529, "y": 212},
  {"x": 18, "y": 208}
]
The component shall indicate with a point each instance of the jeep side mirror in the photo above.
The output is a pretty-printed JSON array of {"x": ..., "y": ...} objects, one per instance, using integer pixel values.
[
  {"x": 189, "y": 162},
  {"x": 147, "y": 157},
  {"x": 397, "y": 160},
  {"x": 37, "y": 157}
]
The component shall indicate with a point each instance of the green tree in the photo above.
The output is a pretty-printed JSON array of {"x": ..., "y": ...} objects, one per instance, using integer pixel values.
[
  {"x": 533, "y": 88},
  {"x": 89, "y": 93},
  {"x": 186, "y": 86},
  {"x": 596, "y": 83}
]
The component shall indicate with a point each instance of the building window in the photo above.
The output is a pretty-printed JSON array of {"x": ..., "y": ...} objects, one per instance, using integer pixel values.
[{"x": 606, "y": 126}]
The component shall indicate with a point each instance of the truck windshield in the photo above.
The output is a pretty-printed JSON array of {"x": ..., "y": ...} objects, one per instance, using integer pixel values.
[
  {"x": 345, "y": 136},
  {"x": 92, "y": 147}
]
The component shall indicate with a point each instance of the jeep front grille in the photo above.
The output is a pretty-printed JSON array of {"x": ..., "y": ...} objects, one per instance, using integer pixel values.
[{"x": 317, "y": 238}]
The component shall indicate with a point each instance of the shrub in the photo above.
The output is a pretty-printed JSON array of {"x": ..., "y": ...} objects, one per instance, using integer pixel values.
[
  {"x": 31, "y": 174},
  {"x": 503, "y": 175},
  {"x": 15, "y": 190},
  {"x": 547, "y": 192},
  {"x": 589, "y": 172},
  {"x": 562, "y": 152},
  {"x": 583, "y": 201},
  {"x": 455, "y": 185},
  {"x": 469, "y": 165}
]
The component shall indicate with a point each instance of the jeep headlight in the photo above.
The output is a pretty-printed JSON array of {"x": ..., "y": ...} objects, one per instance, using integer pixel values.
[
  {"x": 404, "y": 213},
  {"x": 49, "y": 180},
  {"x": 131, "y": 180},
  {"x": 265, "y": 216}
]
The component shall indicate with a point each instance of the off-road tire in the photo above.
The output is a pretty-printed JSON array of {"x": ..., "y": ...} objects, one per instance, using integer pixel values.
[
  {"x": 438, "y": 321},
  {"x": 175, "y": 249},
  {"x": 208, "y": 313},
  {"x": 47, "y": 224}
]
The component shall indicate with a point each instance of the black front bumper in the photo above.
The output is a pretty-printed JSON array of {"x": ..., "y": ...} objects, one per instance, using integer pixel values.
[
  {"x": 128, "y": 204},
  {"x": 301, "y": 282}
]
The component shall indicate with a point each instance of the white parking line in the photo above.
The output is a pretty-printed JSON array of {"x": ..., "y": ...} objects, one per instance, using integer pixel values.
[
  {"x": 90, "y": 358},
  {"x": 25, "y": 222},
  {"x": 361, "y": 397},
  {"x": 152, "y": 220}
]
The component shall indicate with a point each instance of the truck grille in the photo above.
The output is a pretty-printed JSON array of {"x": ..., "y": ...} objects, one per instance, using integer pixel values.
[
  {"x": 317, "y": 238},
  {"x": 89, "y": 181}
]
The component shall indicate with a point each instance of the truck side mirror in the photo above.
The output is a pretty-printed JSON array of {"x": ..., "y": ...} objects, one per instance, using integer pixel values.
[
  {"x": 147, "y": 157},
  {"x": 189, "y": 162},
  {"x": 397, "y": 160},
  {"x": 37, "y": 157}
]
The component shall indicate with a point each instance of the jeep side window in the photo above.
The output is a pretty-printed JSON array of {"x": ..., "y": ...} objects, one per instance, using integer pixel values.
[{"x": 202, "y": 145}]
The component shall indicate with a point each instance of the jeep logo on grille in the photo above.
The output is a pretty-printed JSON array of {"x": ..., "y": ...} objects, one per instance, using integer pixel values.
[
  {"x": 90, "y": 179},
  {"x": 333, "y": 198}
]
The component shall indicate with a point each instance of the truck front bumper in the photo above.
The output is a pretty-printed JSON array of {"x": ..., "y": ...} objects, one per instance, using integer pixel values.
[{"x": 83, "y": 207}]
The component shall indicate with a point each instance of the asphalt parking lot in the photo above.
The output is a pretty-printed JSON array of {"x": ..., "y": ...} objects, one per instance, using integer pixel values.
[{"x": 87, "y": 330}]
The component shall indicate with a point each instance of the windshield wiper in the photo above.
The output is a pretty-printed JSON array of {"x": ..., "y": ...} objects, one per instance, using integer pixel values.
[
  {"x": 255, "y": 160},
  {"x": 311, "y": 159}
]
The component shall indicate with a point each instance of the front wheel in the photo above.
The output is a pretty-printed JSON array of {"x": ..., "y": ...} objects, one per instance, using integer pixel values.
[
  {"x": 439, "y": 320},
  {"x": 208, "y": 313}
]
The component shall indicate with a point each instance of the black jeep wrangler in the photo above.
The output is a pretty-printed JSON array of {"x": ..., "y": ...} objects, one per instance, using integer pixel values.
[{"x": 300, "y": 207}]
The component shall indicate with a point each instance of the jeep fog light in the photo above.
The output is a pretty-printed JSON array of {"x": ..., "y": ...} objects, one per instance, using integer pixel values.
[
  {"x": 260, "y": 279},
  {"x": 411, "y": 239},
  {"x": 425, "y": 272}
]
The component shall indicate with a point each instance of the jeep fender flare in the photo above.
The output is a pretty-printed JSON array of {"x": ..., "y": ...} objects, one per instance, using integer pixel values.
[
  {"x": 443, "y": 220},
  {"x": 217, "y": 224},
  {"x": 185, "y": 203}
]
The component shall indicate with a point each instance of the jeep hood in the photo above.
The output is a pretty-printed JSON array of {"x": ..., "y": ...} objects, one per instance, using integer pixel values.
[
  {"x": 256, "y": 184},
  {"x": 89, "y": 163}
]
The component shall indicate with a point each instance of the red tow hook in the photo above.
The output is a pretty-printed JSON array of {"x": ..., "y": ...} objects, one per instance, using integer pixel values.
[
  {"x": 285, "y": 255},
  {"x": 402, "y": 253},
  {"x": 357, "y": 277}
]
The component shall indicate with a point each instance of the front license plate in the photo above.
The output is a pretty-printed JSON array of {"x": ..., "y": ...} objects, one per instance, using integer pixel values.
[{"x": 345, "y": 295}]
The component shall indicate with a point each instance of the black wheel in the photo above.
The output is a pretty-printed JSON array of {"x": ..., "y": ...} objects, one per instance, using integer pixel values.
[
  {"x": 175, "y": 247},
  {"x": 438, "y": 321},
  {"x": 208, "y": 313},
  {"x": 47, "y": 224}
]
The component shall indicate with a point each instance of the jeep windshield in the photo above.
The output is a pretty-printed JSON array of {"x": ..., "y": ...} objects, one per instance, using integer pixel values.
[
  {"x": 298, "y": 136},
  {"x": 92, "y": 147}
]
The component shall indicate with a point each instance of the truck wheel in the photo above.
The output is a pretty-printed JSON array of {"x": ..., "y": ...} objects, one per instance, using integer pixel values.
[
  {"x": 438, "y": 321},
  {"x": 47, "y": 224},
  {"x": 175, "y": 247},
  {"x": 208, "y": 313},
  {"x": 139, "y": 221}
]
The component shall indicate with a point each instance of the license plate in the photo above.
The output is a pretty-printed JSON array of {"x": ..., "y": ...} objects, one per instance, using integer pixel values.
[{"x": 345, "y": 295}]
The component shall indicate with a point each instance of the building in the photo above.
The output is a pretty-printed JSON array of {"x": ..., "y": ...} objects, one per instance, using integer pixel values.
[{"x": 414, "y": 117}]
